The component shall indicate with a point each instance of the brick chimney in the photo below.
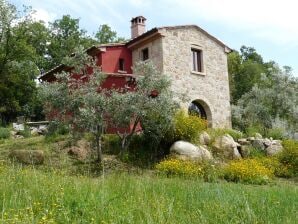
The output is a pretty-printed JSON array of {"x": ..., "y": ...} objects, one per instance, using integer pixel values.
[{"x": 138, "y": 26}]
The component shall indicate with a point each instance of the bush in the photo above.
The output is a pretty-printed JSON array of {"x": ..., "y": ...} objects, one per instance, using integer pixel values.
[
  {"x": 252, "y": 130},
  {"x": 186, "y": 168},
  {"x": 4, "y": 133},
  {"x": 26, "y": 133},
  {"x": 275, "y": 133},
  {"x": 178, "y": 167},
  {"x": 289, "y": 158},
  {"x": 248, "y": 171},
  {"x": 187, "y": 127},
  {"x": 216, "y": 132},
  {"x": 57, "y": 128},
  {"x": 112, "y": 143}
]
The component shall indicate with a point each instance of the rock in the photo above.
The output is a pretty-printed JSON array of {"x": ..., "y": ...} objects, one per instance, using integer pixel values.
[
  {"x": 258, "y": 136},
  {"x": 18, "y": 136},
  {"x": 251, "y": 138},
  {"x": 295, "y": 136},
  {"x": 13, "y": 133},
  {"x": 258, "y": 144},
  {"x": 244, "y": 150},
  {"x": 273, "y": 149},
  {"x": 205, "y": 138},
  {"x": 35, "y": 157},
  {"x": 243, "y": 141},
  {"x": 34, "y": 131},
  {"x": 18, "y": 127},
  {"x": 42, "y": 129},
  {"x": 227, "y": 147},
  {"x": 267, "y": 142},
  {"x": 185, "y": 150}
]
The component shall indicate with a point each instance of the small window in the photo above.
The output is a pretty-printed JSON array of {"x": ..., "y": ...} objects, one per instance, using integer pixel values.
[
  {"x": 145, "y": 54},
  {"x": 121, "y": 64},
  {"x": 197, "y": 60}
]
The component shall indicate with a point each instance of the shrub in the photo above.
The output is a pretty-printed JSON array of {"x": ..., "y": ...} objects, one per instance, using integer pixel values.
[
  {"x": 26, "y": 133},
  {"x": 248, "y": 171},
  {"x": 111, "y": 143},
  {"x": 252, "y": 130},
  {"x": 216, "y": 132},
  {"x": 186, "y": 168},
  {"x": 178, "y": 167},
  {"x": 57, "y": 128},
  {"x": 289, "y": 158},
  {"x": 187, "y": 127},
  {"x": 4, "y": 133},
  {"x": 275, "y": 133}
]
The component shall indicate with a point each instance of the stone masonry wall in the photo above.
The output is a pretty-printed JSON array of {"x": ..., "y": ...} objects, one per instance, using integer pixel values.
[
  {"x": 155, "y": 53},
  {"x": 211, "y": 87}
]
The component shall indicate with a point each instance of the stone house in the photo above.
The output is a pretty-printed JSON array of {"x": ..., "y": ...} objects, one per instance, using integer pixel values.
[{"x": 195, "y": 60}]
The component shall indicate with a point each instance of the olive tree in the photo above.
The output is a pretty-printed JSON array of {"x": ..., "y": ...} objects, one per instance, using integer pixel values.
[
  {"x": 76, "y": 98},
  {"x": 149, "y": 106}
]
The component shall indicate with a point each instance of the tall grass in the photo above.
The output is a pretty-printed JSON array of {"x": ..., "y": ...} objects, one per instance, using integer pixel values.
[{"x": 32, "y": 196}]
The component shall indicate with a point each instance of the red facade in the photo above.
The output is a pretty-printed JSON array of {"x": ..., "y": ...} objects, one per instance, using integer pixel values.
[
  {"x": 109, "y": 59},
  {"x": 115, "y": 60}
]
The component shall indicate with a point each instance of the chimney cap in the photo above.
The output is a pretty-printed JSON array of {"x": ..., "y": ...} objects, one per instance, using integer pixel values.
[{"x": 138, "y": 17}]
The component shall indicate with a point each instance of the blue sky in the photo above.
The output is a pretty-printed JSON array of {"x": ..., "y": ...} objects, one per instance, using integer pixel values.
[{"x": 270, "y": 26}]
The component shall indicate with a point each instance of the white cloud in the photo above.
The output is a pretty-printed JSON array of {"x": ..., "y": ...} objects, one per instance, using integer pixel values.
[
  {"x": 41, "y": 14},
  {"x": 272, "y": 20}
]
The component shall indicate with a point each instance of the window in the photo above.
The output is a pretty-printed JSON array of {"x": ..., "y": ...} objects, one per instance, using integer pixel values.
[
  {"x": 145, "y": 54},
  {"x": 121, "y": 64},
  {"x": 197, "y": 60}
]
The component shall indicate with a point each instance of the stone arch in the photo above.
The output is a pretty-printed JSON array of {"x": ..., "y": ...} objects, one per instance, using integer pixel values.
[{"x": 201, "y": 108}]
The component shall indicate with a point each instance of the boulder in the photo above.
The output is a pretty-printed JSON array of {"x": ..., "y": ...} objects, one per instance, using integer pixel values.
[
  {"x": 273, "y": 150},
  {"x": 34, "y": 131},
  {"x": 295, "y": 136},
  {"x": 205, "y": 138},
  {"x": 42, "y": 129},
  {"x": 267, "y": 142},
  {"x": 243, "y": 141},
  {"x": 185, "y": 150},
  {"x": 18, "y": 127},
  {"x": 244, "y": 150},
  {"x": 35, "y": 157},
  {"x": 258, "y": 136},
  {"x": 227, "y": 147},
  {"x": 258, "y": 144}
]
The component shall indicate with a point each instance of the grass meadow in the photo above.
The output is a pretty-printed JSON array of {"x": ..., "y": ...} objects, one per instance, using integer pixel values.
[
  {"x": 57, "y": 192},
  {"x": 29, "y": 195}
]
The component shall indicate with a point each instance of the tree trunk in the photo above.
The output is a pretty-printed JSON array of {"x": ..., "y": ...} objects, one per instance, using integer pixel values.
[{"x": 98, "y": 145}]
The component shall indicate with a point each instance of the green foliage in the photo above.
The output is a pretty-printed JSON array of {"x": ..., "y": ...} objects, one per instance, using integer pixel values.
[
  {"x": 106, "y": 35},
  {"x": 142, "y": 108},
  {"x": 217, "y": 132},
  {"x": 276, "y": 133},
  {"x": 187, "y": 127},
  {"x": 289, "y": 158},
  {"x": 256, "y": 153},
  {"x": 83, "y": 110},
  {"x": 111, "y": 143},
  {"x": 248, "y": 171},
  {"x": 269, "y": 105},
  {"x": 4, "y": 133},
  {"x": 26, "y": 133},
  {"x": 18, "y": 61},
  {"x": 57, "y": 128}
]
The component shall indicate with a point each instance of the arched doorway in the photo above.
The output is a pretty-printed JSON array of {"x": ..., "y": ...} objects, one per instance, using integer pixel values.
[{"x": 201, "y": 109}]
